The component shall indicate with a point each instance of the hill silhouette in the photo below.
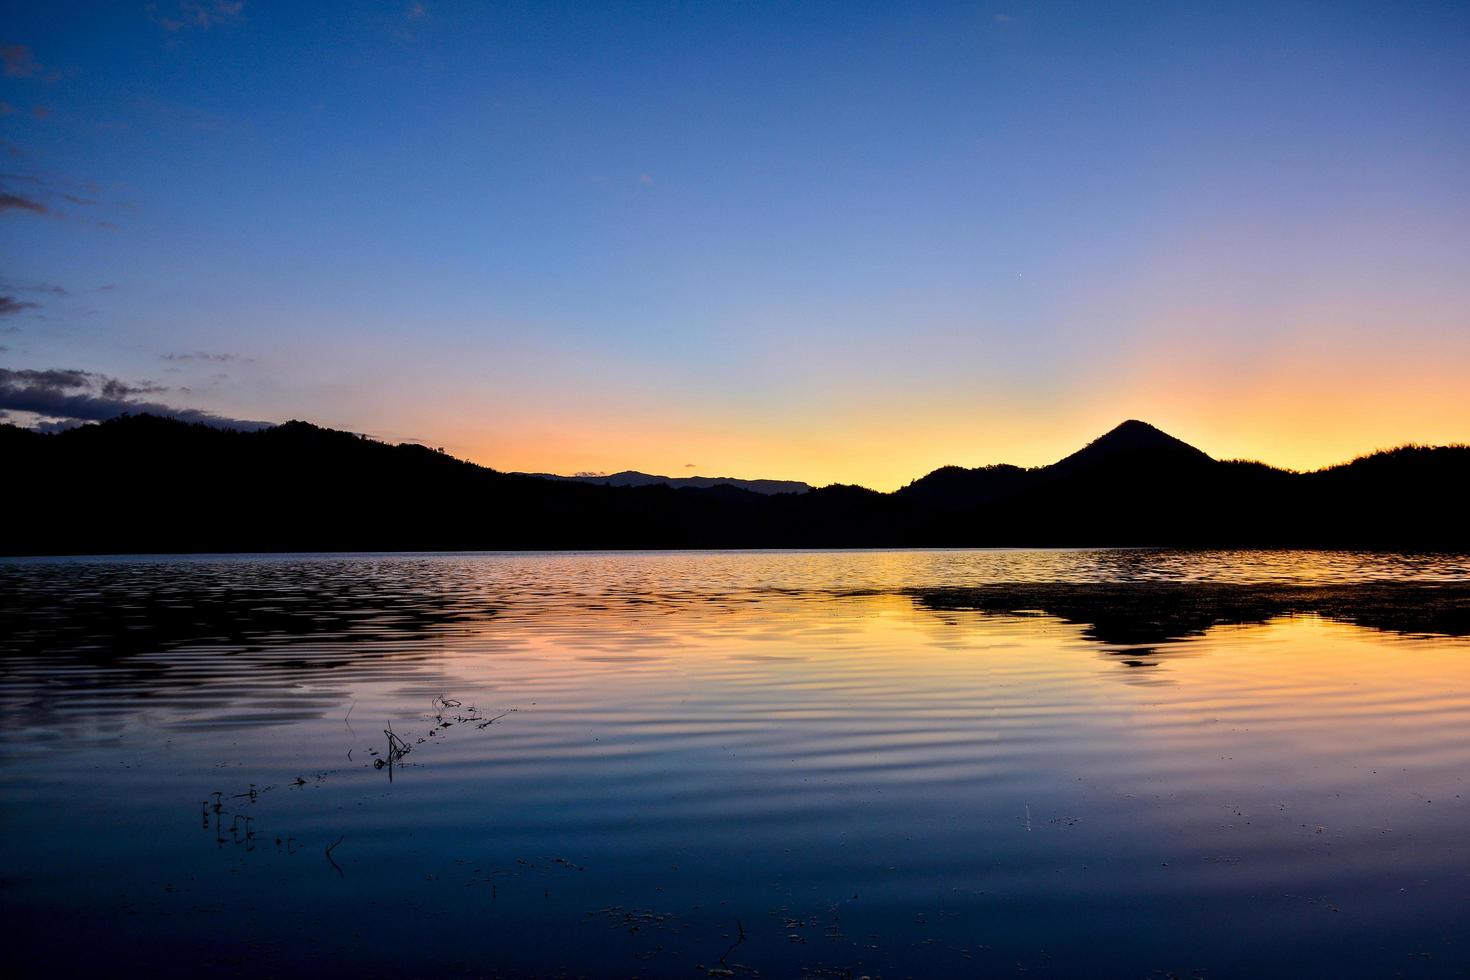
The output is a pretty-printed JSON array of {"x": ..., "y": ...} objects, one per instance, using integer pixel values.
[
  {"x": 139, "y": 484},
  {"x": 633, "y": 478}
]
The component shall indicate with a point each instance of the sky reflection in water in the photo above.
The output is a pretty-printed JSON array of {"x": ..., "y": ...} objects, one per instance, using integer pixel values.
[{"x": 810, "y": 750}]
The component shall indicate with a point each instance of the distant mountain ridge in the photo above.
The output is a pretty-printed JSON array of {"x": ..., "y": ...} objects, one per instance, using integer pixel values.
[
  {"x": 148, "y": 484},
  {"x": 1131, "y": 438},
  {"x": 1130, "y": 450},
  {"x": 633, "y": 478}
]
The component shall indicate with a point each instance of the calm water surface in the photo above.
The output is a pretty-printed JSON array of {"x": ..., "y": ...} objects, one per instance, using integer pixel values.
[{"x": 685, "y": 765}]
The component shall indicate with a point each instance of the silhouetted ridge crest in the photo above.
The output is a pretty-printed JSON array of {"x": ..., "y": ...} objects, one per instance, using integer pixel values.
[
  {"x": 149, "y": 484},
  {"x": 634, "y": 478},
  {"x": 956, "y": 486},
  {"x": 1131, "y": 439}
]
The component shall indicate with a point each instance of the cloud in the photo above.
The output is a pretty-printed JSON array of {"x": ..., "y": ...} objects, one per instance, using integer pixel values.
[
  {"x": 14, "y": 202},
  {"x": 50, "y": 288},
  {"x": 200, "y": 355},
  {"x": 18, "y": 61},
  {"x": 74, "y": 396},
  {"x": 200, "y": 15},
  {"x": 9, "y": 306},
  {"x": 58, "y": 425}
]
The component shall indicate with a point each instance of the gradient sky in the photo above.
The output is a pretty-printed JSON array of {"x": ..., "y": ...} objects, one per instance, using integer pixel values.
[{"x": 833, "y": 242}]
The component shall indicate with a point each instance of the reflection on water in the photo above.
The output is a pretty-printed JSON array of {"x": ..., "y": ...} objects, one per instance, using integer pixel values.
[{"x": 830, "y": 764}]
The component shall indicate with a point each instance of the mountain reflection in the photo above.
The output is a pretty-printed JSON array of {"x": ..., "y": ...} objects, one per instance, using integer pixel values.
[
  {"x": 1009, "y": 745},
  {"x": 1148, "y": 614},
  {"x": 246, "y": 642}
]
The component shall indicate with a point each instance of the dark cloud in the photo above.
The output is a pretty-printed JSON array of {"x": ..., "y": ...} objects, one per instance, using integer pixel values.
[
  {"x": 14, "y": 202},
  {"x": 33, "y": 287},
  {"x": 113, "y": 388},
  {"x": 74, "y": 396},
  {"x": 59, "y": 425},
  {"x": 18, "y": 61},
  {"x": 9, "y": 306},
  {"x": 45, "y": 193}
]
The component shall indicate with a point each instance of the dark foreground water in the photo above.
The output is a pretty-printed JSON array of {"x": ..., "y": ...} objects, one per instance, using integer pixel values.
[{"x": 917, "y": 764}]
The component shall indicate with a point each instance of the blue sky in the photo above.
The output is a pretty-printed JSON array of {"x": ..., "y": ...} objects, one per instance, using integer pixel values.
[{"x": 822, "y": 241}]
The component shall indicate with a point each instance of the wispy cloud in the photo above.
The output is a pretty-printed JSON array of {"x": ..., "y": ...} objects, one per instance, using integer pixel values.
[
  {"x": 187, "y": 14},
  {"x": 18, "y": 61},
  {"x": 9, "y": 306},
  {"x": 200, "y": 355},
  {"x": 14, "y": 202},
  {"x": 55, "y": 197},
  {"x": 70, "y": 397}
]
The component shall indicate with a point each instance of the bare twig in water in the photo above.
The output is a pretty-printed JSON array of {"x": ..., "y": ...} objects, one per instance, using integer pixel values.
[
  {"x": 440, "y": 704},
  {"x": 397, "y": 749},
  {"x": 740, "y": 939},
  {"x": 335, "y": 866},
  {"x": 347, "y": 716}
]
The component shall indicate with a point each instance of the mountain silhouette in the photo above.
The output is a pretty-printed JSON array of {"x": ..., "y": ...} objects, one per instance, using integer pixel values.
[
  {"x": 633, "y": 478},
  {"x": 1132, "y": 452},
  {"x": 139, "y": 484},
  {"x": 1132, "y": 442}
]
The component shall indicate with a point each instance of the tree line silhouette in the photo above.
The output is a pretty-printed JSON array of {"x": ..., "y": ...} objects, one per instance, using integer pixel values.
[{"x": 140, "y": 484}]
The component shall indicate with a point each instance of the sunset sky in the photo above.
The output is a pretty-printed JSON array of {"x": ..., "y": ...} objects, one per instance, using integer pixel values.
[{"x": 832, "y": 242}]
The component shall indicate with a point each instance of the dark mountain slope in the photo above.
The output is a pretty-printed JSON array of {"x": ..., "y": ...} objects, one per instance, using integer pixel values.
[
  {"x": 952, "y": 488},
  {"x": 145, "y": 484},
  {"x": 1131, "y": 442}
]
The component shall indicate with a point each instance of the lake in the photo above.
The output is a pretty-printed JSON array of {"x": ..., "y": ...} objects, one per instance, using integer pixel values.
[{"x": 825, "y": 764}]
